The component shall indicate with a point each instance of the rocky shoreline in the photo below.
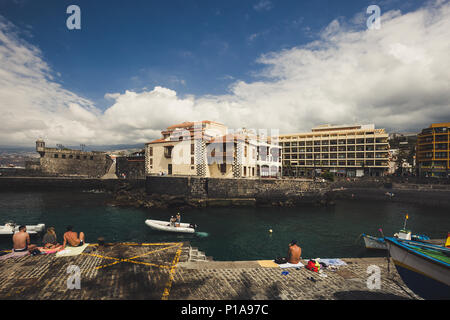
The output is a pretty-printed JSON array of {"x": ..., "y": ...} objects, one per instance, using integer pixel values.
[
  {"x": 127, "y": 196},
  {"x": 133, "y": 196}
]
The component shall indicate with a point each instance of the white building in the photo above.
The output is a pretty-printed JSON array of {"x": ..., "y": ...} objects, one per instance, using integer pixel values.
[{"x": 209, "y": 149}]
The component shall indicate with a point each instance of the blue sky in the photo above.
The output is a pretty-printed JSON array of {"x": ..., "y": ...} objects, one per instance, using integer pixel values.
[
  {"x": 136, "y": 67},
  {"x": 193, "y": 47}
]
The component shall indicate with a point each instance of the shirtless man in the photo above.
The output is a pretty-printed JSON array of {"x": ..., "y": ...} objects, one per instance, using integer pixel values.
[
  {"x": 294, "y": 252},
  {"x": 21, "y": 241},
  {"x": 72, "y": 238}
]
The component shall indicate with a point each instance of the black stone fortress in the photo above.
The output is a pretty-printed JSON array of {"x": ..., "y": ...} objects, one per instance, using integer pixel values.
[{"x": 65, "y": 161}]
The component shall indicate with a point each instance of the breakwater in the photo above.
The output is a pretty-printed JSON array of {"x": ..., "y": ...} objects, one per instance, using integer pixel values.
[
  {"x": 222, "y": 192},
  {"x": 19, "y": 184},
  {"x": 184, "y": 192}
]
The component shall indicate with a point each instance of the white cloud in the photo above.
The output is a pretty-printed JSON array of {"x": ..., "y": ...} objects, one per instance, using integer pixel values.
[
  {"x": 263, "y": 5},
  {"x": 396, "y": 77}
]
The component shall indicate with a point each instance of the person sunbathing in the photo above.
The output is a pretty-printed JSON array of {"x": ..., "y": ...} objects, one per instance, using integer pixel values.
[
  {"x": 294, "y": 253},
  {"x": 72, "y": 239},
  {"x": 49, "y": 239},
  {"x": 21, "y": 241}
]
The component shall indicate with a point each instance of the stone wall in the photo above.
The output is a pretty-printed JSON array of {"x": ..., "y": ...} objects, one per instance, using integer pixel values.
[
  {"x": 19, "y": 184},
  {"x": 75, "y": 162},
  {"x": 132, "y": 167},
  {"x": 216, "y": 188}
]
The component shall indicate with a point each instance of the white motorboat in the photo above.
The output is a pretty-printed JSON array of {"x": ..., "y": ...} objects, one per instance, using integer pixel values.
[
  {"x": 11, "y": 228},
  {"x": 165, "y": 226}
]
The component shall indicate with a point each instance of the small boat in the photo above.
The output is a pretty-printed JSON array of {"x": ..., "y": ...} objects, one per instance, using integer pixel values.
[
  {"x": 11, "y": 228},
  {"x": 424, "y": 268},
  {"x": 372, "y": 242},
  {"x": 165, "y": 226}
]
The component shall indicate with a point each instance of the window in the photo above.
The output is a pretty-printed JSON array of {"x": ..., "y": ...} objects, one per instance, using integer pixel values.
[
  {"x": 245, "y": 171},
  {"x": 168, "y": 151},
  {"x": 91, "y": 158},
  {"x": 84, "y": 157},
  {"x": 78, "y": 157},
  {"x": 192, "y": 160},
  {"x": 192, "y": 148},
  {"x": 151, "y": 161},
  {"x": 56, "y": 155},
  {"x": 150, "y": 151},
  {"x": 245, "y": 151},
  {"x": 70, "y": 156},
  {"x": 63, "y": 156}
]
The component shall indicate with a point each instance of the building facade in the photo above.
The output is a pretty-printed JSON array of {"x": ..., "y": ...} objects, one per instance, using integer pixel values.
[
  {"x": 433, "y": 145},
  {"x": 207, "y": 149},
  {"x": 131, "y": 166},
  {"x": 347, "y": 150},
  {"x": 72, "y": 162}
]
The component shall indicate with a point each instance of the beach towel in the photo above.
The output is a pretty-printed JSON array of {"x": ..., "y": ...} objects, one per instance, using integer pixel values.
[
  {"x": 268, "y": 264},
  {"x": 290, "y": 265},
  {"x": 332, "y": 262},
  {"x": 14, "y": 255},
  {"x": 48, "y": 251},
  {"x": 72, "y": 251}
]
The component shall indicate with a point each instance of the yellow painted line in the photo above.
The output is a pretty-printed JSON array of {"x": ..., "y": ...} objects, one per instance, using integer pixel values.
[
  {"x": 107, "y": 265},
  {"x": 6, "y": 251},
  {"x": 135, "y": 257},
  {"x": 148, "y": 244},
  {"x": 147, "y": 263},
  {"x": 175, "y": 261},
  {"x": 161, "y": 249},
  {"x": 99, "y": 256}
]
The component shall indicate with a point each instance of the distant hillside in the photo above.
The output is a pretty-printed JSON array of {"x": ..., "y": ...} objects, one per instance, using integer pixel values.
[{"x": 9, "y": 149}]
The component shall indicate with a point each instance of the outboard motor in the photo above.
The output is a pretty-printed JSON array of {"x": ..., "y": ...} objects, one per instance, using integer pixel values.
[{"x": 193, "y": 225}]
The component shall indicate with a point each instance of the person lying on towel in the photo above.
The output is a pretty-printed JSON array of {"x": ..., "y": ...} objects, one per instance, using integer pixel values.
[
  {"x": 72, "y": 239},
  {"x": 21, "y": 241},
  {"x": 294, "y": 252}
]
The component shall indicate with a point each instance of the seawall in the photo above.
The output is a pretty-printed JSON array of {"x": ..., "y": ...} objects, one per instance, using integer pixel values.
[
  {"x": 18, "y": 184},
  {"x": 157, "y": 191},
  {"x": 262, "y": 190}
]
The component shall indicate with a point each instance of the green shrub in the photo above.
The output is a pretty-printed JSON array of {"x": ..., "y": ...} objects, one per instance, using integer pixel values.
[{"x": 328, "y": 176}]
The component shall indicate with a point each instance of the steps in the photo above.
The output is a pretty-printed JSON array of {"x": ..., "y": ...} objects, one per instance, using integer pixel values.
[{"x": 196, "y": 255}]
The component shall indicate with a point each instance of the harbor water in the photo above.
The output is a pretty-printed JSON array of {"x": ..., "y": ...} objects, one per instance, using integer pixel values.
[{"x": 227, "y": 234}]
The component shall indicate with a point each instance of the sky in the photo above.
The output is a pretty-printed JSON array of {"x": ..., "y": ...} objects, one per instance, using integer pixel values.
[{"x": 137, "y": 67}]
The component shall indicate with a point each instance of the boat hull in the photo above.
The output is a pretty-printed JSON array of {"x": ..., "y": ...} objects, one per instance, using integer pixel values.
[
  {"x": 33, "y": 229},
  {"x": 164, "y": 226},
  {"x": 373, "y": 243},
  {"x": 427, "y": 278}
]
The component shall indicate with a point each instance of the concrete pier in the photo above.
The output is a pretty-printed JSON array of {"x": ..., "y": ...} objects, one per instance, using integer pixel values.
[{"x": 175, "y": 271}]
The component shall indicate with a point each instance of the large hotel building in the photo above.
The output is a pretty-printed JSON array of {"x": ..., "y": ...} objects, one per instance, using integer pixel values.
[
  {"x": 433, "y": 147},
  {"x": 347, "y": 150}
]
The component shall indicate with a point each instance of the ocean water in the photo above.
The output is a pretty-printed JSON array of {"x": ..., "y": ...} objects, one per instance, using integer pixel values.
[{"x": 227, "y": 234}]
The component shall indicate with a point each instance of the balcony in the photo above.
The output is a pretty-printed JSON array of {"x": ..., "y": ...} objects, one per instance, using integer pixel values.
[{"x": 168, "y": 151}]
